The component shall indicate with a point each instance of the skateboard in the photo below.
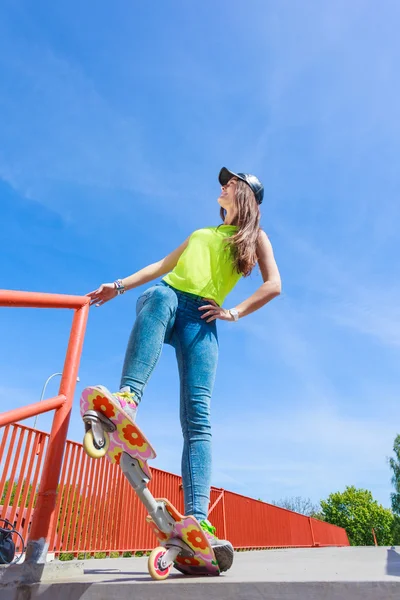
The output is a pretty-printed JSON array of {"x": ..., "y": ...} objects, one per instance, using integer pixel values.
[{"x": 110, "y": 432}]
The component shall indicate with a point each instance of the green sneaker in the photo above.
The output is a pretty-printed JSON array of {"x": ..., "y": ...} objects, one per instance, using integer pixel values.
[{"x": 223, "y": 549}]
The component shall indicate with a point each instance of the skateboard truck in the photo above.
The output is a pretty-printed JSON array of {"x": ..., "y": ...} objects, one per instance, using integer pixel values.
[{"x": 98, "y": 424}]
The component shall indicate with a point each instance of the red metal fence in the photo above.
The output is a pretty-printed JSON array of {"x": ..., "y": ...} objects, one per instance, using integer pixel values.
[
  {"x": 43, "y": 521},
  {"x": 58, "y": 497},
  {"x": 97, "y": 510}
]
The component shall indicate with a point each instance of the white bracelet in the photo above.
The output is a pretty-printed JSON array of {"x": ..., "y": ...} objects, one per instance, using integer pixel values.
[
  {"x": 119, "y": 286},
  {"x": 234, "y": 313}
]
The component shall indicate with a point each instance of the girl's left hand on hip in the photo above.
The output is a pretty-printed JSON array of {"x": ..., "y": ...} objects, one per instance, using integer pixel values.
[{"x": 215, "y": 312}]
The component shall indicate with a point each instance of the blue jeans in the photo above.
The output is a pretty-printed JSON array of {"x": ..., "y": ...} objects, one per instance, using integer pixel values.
[{"x": 166, "y": 315}]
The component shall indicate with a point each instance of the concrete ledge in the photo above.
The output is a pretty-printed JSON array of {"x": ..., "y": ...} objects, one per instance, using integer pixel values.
[
  {"x": 366, "y": 573},
  {"x": 28, "y": 573},
  {"x": 196, "y": 591}
]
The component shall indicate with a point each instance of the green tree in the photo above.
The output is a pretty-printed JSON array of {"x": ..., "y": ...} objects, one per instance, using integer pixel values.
[
  {"x": 396, "y": 530},
  {"x": 318, "y": 515},
  {"x": 395, "y": 466},
  {"x": 357, "y": 511}
]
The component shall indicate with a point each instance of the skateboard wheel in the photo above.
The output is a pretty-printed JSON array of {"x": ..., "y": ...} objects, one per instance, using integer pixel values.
[
  {"x": 90, "y": 446},
  {"x": 154, "y": 566}
]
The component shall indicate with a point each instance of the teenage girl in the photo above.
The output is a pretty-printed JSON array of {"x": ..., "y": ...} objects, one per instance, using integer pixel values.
[{"x": 182, "y": 310}]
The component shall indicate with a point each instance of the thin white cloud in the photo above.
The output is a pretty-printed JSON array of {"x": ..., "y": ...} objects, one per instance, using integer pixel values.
[
  {"x": 333, "y": 451},
  {"x": 335, "y": 447},
  {"x": 288, "y": 332},
  {"x": 357, "y": 295},
  {"x": 63, "y": 131}
]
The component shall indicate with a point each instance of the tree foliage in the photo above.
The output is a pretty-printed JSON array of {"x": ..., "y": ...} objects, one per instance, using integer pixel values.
[
  {"x": 395, "y": 466},
  {"x": 396, "y": 530},
  {"x": 297, "y": 504},
  {"x": 357, "y": 511}
]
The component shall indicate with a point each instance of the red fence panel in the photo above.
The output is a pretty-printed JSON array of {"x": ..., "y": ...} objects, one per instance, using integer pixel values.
[
  {"x": 256, "y": 524},
  {"x": 98, "y": 511},
  {"x": 43, "y": 521},
  {"x": 21, "y": 467},
  {"x": 91, "y": 507},
  {"x": 332, "y": 536}
]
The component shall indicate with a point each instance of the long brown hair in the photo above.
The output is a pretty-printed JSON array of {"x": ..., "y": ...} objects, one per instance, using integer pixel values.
[{"x": 243, "y": 243}]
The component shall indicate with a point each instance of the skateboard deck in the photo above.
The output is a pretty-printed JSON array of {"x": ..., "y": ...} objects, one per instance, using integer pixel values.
[
  {"x": 189, "y": 531},
  {"x": 127, "y": 437}
]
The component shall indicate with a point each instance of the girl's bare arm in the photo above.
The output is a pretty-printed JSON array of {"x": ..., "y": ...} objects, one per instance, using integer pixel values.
[
  {"x": 107, "y": 291},
  {"x": 156, "y": 269}
]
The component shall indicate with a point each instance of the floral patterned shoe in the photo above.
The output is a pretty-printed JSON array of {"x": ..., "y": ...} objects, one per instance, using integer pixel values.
[
  {"x": 223, "y": 549},
  {"x": 122, "y": 434}
]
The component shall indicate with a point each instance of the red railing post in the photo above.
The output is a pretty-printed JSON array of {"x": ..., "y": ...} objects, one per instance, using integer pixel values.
[
  {"x": 373, "y": 533},
  {"x": 312, "y": 533},
  {"x": 43, "y": 520},
  {"x": 223, "y": 513}
]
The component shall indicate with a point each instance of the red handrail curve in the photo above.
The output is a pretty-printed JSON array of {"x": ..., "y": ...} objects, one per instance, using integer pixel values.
[{"x": 44, "y": 514}]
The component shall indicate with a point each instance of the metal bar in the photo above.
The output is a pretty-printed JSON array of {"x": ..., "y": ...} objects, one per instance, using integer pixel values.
[
  {"x": 53, "y": 541},
  {"x": 125, "y": 491},
  {"x": 40, "y": 451},
  {"x": 93, "y": 503},
  {"x": 312, "y": 531},
  {"x": 89, "y": 504},
  {"x": 85, "y": 501},
  {"x": 13, "y": 470},
  {"x": 223, "y": 513},
  {"x": 7, "y": 463},
  {"x": 4, "y": 440},
  {"x": 215, "y": 503},
  {"x": 106, "y": 506},
  {"x": 99, "y": 503},
  {"x": 108, "y": 515},
  {"x": 64, "y": 493},
  {"x": 16, "y": 299},
  {"x": 26, "y": 489},
  {"x": 121, "y": 503},
  {"x": 80, "y": 513},
  {"x": 25, "y": 412},
  {"x": 98, "y": 522},
  {"x": 16, "y": 499},
  {"x": 137, "y": 525},
  {"x": 115, "y": 508},
  {"x": 117, "y": 512},
  {"x": 71, "y": 501},
  {"x": 78, "y": 495},
  {"x": 44, "y": 516}
]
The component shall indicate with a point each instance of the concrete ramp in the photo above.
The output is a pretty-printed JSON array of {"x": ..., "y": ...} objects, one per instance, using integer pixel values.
[{"x": 366, "y": 573}]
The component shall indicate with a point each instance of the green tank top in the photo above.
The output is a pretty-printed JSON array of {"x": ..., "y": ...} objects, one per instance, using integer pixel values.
[{"x": 206, "y": 267}]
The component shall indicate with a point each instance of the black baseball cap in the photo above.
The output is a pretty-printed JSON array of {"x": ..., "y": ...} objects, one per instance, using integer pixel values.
[{"x": 252, "y": 181}]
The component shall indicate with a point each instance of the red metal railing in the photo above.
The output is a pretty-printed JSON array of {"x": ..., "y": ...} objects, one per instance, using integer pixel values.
[
  {"x": 43, "y": 520},
  {"x": 71, "y": 503},
  {"x": 97, "y": 510}
]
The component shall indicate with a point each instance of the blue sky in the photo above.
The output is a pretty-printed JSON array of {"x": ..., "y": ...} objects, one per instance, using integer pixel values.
[{"x": 114, "y": 124}]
